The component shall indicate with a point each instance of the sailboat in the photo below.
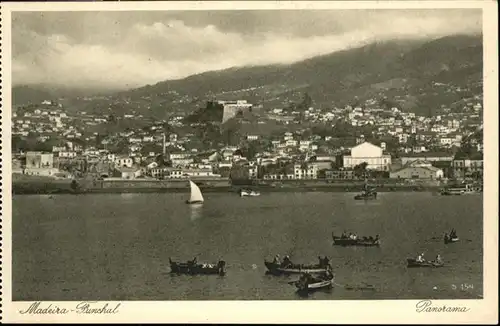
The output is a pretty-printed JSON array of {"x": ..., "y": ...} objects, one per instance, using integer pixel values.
[{"x": 196, "y": 196}]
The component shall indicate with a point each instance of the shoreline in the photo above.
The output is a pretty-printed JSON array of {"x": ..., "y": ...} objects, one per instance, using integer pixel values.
[
  {"x": 227, "y": 189},
  {"x": 44, "y": 186}
]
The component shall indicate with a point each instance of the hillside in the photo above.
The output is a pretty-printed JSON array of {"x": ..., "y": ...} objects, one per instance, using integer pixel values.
[
  {"x": 34, "y": 94},
  {"x": 402, "y": 71},
  {"x": 24, "y": 94},
  {"x": 395, "y": 68}
]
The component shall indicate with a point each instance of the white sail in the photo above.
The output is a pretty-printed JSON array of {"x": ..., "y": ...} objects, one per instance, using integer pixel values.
[{"x": 196, "y": 195}]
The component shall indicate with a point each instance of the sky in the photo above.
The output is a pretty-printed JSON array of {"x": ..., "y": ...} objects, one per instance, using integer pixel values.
[{"x": 121, "y": 50}]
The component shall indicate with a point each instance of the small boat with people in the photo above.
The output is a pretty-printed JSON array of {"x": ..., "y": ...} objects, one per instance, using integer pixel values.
[
  {"x": 366, "y": 194},
  {"x": 451, "y": 192},
  {"x": 193, "y": 267},
  {"x": 355, "y": 240},
  {"x": 286, "y": 267},
  {"x": 309, "y": 283},
  {"x": 451, "y": 237},
  {"x": 249, "y": 193},
  {"x": 461, "y": 189},
  {"x": 195, "y": 197},
  {"x": 421, "y": 262}
]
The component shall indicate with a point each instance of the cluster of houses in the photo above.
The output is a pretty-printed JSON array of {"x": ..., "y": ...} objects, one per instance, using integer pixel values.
[
  {"x": 443, "y": 130},
  {"x": 422, "y": 166},
  {"x": 149, "y": 153},
  {"x": 45, "y": 121},
  {"x": 183, "y": 164}
]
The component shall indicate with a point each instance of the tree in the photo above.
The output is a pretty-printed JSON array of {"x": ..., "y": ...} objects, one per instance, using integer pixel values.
[
  {"x": 322, "y": 174},
  {"x": 121, "y": 147},
  {"x": 98, "y": 139},
  {"x": 360, "y": 169},
  {"x": 223, "y": 171},
  {"x": 252, "y": 149},
  {"x": 412, "y": 141},
  {"x": 306, "y": 101},
  {"x": 43, "y": 147},
  {"x": 112, "y": 118},
  {"x": 238, "y": 172},
  {"x": 477, "y": 175},
  {"x": 18, "y": 143}
]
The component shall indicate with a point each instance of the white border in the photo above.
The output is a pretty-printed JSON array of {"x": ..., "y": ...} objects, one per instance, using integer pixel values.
[{"x": 346, "y": 311}]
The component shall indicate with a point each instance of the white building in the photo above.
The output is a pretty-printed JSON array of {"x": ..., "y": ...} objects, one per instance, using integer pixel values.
[
  {"x": 252, "y": 137},
  {"x": 178, "y": 173},
  {"x": 67, "y": 154},
  {"x": 252, "y": 171},
  {"x": 446, "y": 141},
  {"x": 129, "y": 172},
  {"x": 124, "y": 162},
  {"x": 111, "y": 157},
  {"x": 231, "y": 108},
  {"x": 369, "y": 153},
  {"x": 288, "y": 136},
  {"x": 305, "y": 172},
  {"x": 199, "y": 173},
  {"x": 418, "y": 170},
  {"x": 180, "y": 158},
  {"x": 39, "y": 160},
  {"x": 39, "y": 163}
]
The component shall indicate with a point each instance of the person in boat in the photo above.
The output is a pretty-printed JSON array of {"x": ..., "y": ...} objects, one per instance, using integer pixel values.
[
  {"x": 305, "y": 277},
  {"x": 438, "y": 259},
  {"x": 328, "y": 274},
  {"x": 323, "y": 262},
  {"x": 354, "y": 236},
  {"x": 276, "y": 259},
  {"x": 286, "y": 261},
  {"x": 351, "y": 236},
  {"x": 326, "y": 264}
]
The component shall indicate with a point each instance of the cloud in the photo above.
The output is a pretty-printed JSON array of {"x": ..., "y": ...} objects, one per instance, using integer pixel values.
[{"x": 128, "y": 53}]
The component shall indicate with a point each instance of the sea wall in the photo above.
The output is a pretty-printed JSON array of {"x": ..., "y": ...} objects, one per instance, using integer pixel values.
[{"x": 28, "y": 185}]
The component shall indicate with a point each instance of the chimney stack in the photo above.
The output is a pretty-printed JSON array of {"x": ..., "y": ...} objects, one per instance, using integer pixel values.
[{"x": 164, "y": 144}]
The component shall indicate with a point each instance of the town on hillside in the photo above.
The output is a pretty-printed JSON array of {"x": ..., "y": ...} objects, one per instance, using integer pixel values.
[{"x": 242, "y": 143}]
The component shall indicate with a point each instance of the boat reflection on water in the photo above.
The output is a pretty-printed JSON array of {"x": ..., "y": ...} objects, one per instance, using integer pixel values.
[{"x": 195, "y": 211}]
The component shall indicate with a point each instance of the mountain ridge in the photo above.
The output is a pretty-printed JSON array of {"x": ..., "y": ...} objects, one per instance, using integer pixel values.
[{"x": 338, "y": 78}]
